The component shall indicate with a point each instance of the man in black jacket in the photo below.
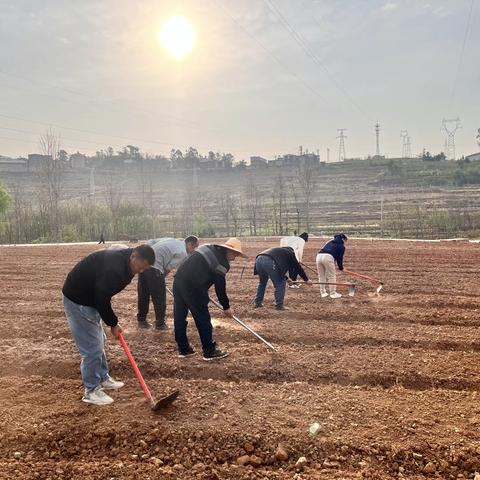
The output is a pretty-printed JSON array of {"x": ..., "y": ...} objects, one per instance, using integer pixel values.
[
  {"x": 274, "y": 264},
  {"x": 332, "y": 252},
  {"x": 87, "y": 294},
  {"x": 206, "y": 266}
]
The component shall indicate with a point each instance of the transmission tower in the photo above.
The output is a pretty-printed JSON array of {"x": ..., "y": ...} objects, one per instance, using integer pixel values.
[
  {"x": 450, "y": 126},
  {"x": 377, "y": 136},
  {"x": 341, "y": 144},
  {"x": 406, "y": 150},
  {"x": 478, "y": 137}
]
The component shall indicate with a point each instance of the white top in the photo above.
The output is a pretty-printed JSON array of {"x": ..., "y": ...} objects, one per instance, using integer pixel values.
[
  {"x": 169, "y": 253},
  {"x": 297, "y": 243}
]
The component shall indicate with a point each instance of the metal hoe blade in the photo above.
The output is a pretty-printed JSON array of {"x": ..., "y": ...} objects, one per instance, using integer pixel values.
[
  {"x": 379, "y": 288},
  {"x": 165, "y": 401},
  {"x": 351, "y": 290}
]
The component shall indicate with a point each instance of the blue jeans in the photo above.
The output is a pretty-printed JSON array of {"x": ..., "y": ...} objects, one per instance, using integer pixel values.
[
  {"x": 87, "y": 331},
  {"x": 268, "y": 269},
  {"x": 185, "y": 299}
]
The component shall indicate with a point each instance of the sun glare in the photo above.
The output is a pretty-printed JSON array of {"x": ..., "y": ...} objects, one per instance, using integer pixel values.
[{"x": 177, "y": 37}]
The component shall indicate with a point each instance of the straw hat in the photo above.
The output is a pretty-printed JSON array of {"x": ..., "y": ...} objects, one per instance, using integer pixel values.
[{"x": 235, "y": 245}]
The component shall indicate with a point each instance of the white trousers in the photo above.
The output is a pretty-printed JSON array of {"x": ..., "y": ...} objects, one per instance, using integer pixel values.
[{"x": 326, "y": 272}]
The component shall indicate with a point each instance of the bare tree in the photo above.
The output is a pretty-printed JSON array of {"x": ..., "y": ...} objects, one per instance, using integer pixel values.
[
  {"x": 113, "y": 197},
  {"x": 279, "y": 206},
  {"x": 307, "y": 181},
  {"x": 253, "y": 204},
  {"x": 52, "y": 172}
]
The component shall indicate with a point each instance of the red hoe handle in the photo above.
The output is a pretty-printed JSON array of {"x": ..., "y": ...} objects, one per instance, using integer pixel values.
[
  {"x": 139, "y": 375},
  {"x": 365, "y": 277}
]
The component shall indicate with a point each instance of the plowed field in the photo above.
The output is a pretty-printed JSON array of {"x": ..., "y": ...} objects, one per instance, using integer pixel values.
[{"x": 392, "y": 380}]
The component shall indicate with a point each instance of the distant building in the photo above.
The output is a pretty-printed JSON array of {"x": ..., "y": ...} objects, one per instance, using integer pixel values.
[
  {"x": 474, "y": 157},
  {"x": 258, "y": 162},
  {"x": 207, "y": 163},
  {"x": 78, "y": 160},
  {"x": 37, "y": 161},
  {"x": 291, "y": 160},
  {"x": 8, "y": 164}
]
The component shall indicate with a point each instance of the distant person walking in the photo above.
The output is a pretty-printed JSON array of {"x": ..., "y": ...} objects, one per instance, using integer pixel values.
[
  {"x": 102, "y": 239},
  {"x": 169, "y": 253},
  {"x": 87, "y": 294},
  {"x": 332, "y": 252},
  {"x": 274, "y": 264},
  {"x": 206, "y": 266}
]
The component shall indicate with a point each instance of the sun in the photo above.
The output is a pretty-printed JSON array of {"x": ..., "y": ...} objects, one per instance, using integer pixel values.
[{"x": 177, "y": 37}]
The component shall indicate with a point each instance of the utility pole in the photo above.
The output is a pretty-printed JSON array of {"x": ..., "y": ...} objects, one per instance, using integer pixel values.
[
  {"x": 341, "y": 144},
  {"x": 450, "y": 126},
  {"x": 328, "y": 154},
  {"x": 377, "y": 135},
  {"x": 92, "y": 183},
  {"x": 406, "y": 150}
]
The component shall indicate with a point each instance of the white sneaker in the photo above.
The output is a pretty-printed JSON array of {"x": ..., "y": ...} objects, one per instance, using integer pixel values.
[
  {"x": 97, "y": 397},
  {"x": 324, "y": 294},
  {"x": 111, "y": 384},
  {"x": 335, "y": 295}
]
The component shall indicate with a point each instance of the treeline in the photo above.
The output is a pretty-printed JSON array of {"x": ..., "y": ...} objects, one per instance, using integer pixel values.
[
  {"x": 253, "y": 210},
  {"x": 424, "y": 222}
]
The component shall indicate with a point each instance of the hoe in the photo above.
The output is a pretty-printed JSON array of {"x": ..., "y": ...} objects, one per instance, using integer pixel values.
[
  {"x": 351, "y": 286},
  {"x": 366, "y": 277},
  {"x": 244, "y": 325},
  {"x": 155, "y": 404}
]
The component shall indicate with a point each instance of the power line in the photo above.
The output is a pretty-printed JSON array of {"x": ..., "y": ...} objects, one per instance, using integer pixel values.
[
  {"x": 308, "y": 51},
  {"x": 127, "y": 139},
  {"x": 270, "y": 54},
  {"x": 102, "y": 100},
  {"x": 462, "y": 51}
]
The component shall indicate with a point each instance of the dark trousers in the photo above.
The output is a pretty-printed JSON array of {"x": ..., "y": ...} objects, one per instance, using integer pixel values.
[
  {"x": 151, "y": 284},
  {"x": 268, "y": 269},
  {"x": 196, "y": 301}
]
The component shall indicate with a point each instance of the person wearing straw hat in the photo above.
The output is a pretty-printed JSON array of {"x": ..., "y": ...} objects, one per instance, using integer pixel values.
[{"x": 206, "y": 266}]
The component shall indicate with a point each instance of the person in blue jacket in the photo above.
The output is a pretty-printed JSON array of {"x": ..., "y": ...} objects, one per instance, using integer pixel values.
[{"x": 329, "y": 255}]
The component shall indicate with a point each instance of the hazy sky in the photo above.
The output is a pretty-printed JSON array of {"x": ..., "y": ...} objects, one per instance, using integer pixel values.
[{"x": 256, "y": 83}]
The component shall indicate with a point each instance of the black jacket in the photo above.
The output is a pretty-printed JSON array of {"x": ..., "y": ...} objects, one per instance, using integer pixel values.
[
  {"x": 195, "y": 275},
  {"x": 336, "y": 249},
  {"x": 286, "y": 261},
  {"x": 97, "y": 278}
]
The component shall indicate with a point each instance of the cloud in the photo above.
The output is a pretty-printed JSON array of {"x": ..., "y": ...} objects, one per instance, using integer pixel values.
[{"x": 389, "y": 6}]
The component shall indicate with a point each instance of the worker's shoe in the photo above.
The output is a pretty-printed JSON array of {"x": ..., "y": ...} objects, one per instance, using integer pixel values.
[
  {"x": 324, "y": 294},
  {"x": 258, "y": 305},
  {"x": 214, "y": 355},
  {"x": 279, "y": 307},
  {"x": 111, "y": 384},
  {"x": 190, "y": 352},
  {"x": 160, "y": 326},
  {"x": 97, "y": 397},
  {"x": 143, "y": 324},
  {"x": 335, "y": 295}
]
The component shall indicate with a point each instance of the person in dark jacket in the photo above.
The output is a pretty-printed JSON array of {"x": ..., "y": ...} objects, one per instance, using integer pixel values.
[
  {"x": 87, "y": 294},
  {"x": 332, "y": 252},
  {"x": 274, "y": 264},
  {"x": 206, "y": 266}
]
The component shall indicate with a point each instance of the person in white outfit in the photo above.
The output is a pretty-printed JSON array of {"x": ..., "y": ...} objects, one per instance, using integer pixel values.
[
  {"x": 332, "y": 252},
  {"x": 298, "y": 244}
]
